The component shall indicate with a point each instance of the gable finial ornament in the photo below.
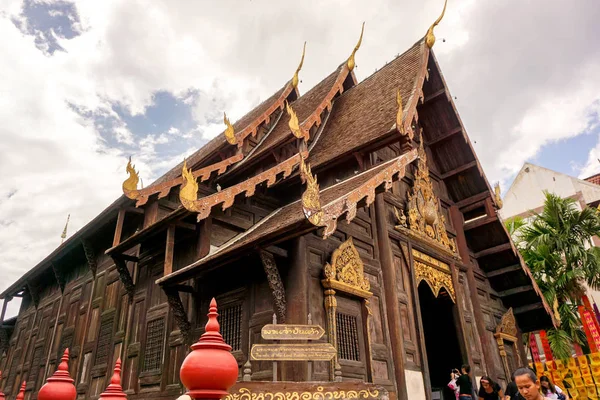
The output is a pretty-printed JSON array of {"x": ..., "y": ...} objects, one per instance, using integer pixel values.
[
  {"x": 430, "y": 38},
  {"x": 130, "y": 184},
  {"x": 351, "y": 63},
  {"x": 424, "y": 216},
  {"x": 295, "y": 79},
  {"x": 293, "y": 124},
  {"x": 189, "y": 189},
  {"x": 346, "y": 271},
  {"x": 311, "y": 201},
  {"x": 229, "y": 131},
  {"x": 497, "y": 195}
]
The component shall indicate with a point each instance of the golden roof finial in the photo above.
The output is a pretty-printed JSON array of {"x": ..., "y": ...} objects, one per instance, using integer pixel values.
[
  {"x": 295, "y": 78},
  {"x": 293, "y": 124},
  {"x": 189, "y": 191},
  {"x": 400, "y": 114},
  {"x": 63, "y": 236},
  {"x": 430, "y": 38},
  {"x": 229, "y": 132},
  {"x": 351, "y": 63},
  {"x": 497, "y": 195},
  {"x": 311, "y": 199},
  {"x": 130, "y": 183}
]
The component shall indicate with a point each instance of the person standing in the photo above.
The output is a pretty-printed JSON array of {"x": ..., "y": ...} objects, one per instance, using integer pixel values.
[
  {"x": 465, "y": 384},
  {"x": 489, "y": 390}
]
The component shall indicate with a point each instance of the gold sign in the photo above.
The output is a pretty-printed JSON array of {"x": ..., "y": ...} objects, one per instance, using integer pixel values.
[
  {"x": 293, "y": 352},
  {"x": 292, "y": 332},
  {"x": 306, "y": 391}
]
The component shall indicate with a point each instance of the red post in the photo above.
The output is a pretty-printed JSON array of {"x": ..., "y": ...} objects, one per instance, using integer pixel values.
[
  {"x": 114, "y": 391},
  {"x": 2, "y": 397},
  {"x": 60, "y": 385},
  {"x": 21, "y": 395},
  {"x": 210, "y": 369}
]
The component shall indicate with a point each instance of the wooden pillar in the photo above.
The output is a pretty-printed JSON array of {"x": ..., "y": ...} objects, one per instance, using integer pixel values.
[
  {"x": 463, "y": 250},
  {"x": 119, "y": 227},
  {"x": 4, "y": 305},
  {"x": 459, "y": 317},
  {"x": 391, "y": 296},
  {"x": 296, "y": 292},
  {"x": 169, "y": 250},
  {"x": 203, "y": 237},
  {"x": 51, "y": 345}
]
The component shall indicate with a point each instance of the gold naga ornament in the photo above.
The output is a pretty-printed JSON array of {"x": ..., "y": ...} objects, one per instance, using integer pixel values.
[
  {"x": 430, "y": 37},
  {"x": 295, "y": 79},
  {"x": 351, "y": 63},
  {"x": 311, "y": 201},
  {"x": 293, "y": 124},
  {"x": 130, "y": 184},
  {"x": 424, "y": 216},
  {"x": 189, "y": 191},
  {"x": 497, "y": 195},
  {"x": 399, "y": 114},
  {"x": 229, "y": 132}
]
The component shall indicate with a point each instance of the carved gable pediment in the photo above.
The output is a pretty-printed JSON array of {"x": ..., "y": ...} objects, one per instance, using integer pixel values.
[
  {"x": 346, "y": 271},
  {"x": 424, "y": 216},
  {"x": 508, "y": 324}
]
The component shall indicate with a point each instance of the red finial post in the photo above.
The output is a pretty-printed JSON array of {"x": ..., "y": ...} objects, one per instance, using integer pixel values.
[
  {"x": 210, "y": 369},
  {"x": 60, "y": 385},
  {"x": 2, "y": 397},
  {"x": 21, "y": 395},
  {"x": 114, "y": 391}
]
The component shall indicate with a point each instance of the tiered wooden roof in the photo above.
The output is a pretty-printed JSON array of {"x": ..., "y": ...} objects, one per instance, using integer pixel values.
[{"x": 340, "y": 120}]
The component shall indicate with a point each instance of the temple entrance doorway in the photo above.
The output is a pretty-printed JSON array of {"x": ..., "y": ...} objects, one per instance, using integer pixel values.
[{"x": 441, "y": 340}]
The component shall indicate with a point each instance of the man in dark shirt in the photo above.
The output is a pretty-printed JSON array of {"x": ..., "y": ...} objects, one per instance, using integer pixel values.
[
  {"x": 512, "y": 391},
  {"x": 465, "y": 385}
]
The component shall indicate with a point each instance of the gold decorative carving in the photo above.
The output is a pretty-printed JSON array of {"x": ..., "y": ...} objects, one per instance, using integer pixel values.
[
  {"x": 189, "y": 191},
  {"x": 430, "y": 260},
  {"x": 497, "y": 195},
  {"x": 351, "y": 63},
  {"x": 229, "y": 132},
  {"x": 320, "y": 394},
  {"x": 164, "y": 188},
  {"x": 424, "y": 216},
  {"x": 346, "y": 271},
  {"x": 226, "y": 197},
  {"x": 130, "y": 184},
  {"x": 435, "y": 278},
  {"x": 348, "y": 203},
  {"x": 311, "y": 201},
  {"x": 508, "y": 325},
  {"x": 399, "y": 114},
  {"x": 430, "y": 37},
  {"x": 293, "y": 123},
  {"x": 295, "y": 79},
  {"x": 330, "y": 310}
]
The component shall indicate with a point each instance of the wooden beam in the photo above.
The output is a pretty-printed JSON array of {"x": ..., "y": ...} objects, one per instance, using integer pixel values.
[
  {"x": 473, "y": 199},
  {"x": 127, "y": 257},
  {"x": 515, "y": 290},
  {"x": 186, "y": 225},
  {"x": 459, "y": 169},
  {"x": 169, "y": 250},
  {"x": 479, "y": 222},
  {"x": 277, "y": 251},
  {"x": 134, "y": 210},
  {"x": 183, "y": 288},
  {"x": 528, "y": 307},
  {"x": 434, "y": 95},
  {"x": 493, "y": 250},
  {"x": 504, "y": 270},
  {"x": 203, "y": 238},
  {"x": 119, "y": 227},
  {"x": 444, "y": 136},
  {"x": 173, "y": 205}
]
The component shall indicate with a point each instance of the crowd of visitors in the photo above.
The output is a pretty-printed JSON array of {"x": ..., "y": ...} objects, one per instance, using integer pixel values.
[{"x": 524, "y": 385}]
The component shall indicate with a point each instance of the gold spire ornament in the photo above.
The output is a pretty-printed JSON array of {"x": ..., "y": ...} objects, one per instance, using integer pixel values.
[
  {"x": 497, "y": 195},
  {"x": 351, "y": 63},
  {"x": 130, "y": 184},
  {"x": 295, "y": 79},
  {"x": 188, "y": 193},
  {"x": 311, "y": 201},
  {"x": 293, "y": 123},
  {"x": 430, "y": 38},
  {"x": 229, "y": 132},
  {"x": 400, "y": 114},
  {"x": 63, "y": 236}
]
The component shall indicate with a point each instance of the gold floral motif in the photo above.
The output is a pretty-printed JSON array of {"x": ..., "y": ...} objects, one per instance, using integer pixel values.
[
  {"x": 497, "y": 195},
  {"x": 229, "y": 132},
  {"x": 346, "y": 271},
  {"x": 320, "y": 394},
  {"x": 430, "y": 38},
  {"x": 130, "y": 184},
  {"x": 351, "y": 63},
  {"x": 508, "y": 324},
  {"x": 424, "y": 216},
  {"x": 435, "y": 278},
  {"x": 311, "y": 201},
  {"x": 295, "y": 79},
  {"x": 400, "y": 217}
]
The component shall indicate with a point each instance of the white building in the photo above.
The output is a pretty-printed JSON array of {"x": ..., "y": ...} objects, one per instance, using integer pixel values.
[{"x": 526, "y": 195}]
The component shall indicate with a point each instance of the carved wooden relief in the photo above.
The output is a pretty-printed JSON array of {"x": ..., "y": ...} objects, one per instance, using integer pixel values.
[
  {"x": 424, "y": 216},
  {"x": 275, "y": 284},
  {"x": 508, "y": 325},
  {"x": 434, "y": 272},
  {"x": 179, "y": 313},
  {"x": 348, "y": 203},
  {"x": 506, "y": 338}
]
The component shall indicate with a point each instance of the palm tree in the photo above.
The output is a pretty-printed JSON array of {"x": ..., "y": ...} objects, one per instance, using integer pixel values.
[{"x": 556, "y": 245}]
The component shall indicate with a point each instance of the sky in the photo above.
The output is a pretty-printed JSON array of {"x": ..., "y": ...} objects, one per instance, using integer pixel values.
[{"x": 85, "y": 84}]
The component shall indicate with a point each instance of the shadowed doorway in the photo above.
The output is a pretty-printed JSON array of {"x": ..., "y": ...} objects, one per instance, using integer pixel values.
[{"x": 441, "y": 341}]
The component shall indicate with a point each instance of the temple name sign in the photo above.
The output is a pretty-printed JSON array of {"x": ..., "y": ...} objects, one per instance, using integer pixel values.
[
  {"x": 292, "y": 332},
  {"x": 293, "y": 352}
]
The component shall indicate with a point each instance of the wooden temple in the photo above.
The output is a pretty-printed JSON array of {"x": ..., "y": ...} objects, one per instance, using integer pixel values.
[{"x": 358, "y": 207}]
